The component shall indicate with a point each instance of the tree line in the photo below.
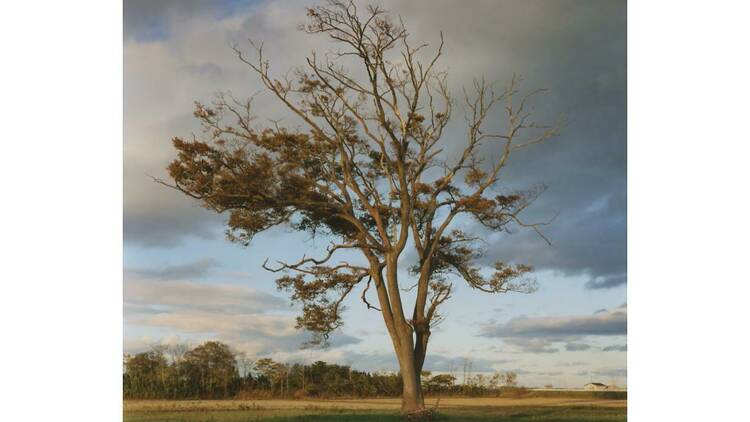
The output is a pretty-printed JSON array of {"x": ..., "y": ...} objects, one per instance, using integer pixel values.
[{"x": 213, "y": 370}]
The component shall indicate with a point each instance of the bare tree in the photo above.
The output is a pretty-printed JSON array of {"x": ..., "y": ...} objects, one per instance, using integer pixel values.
[
  {"x": 510, "y": 379},
  {"x": 370, "y": 171},
  {"x": 245, "y": 364},
  {"x": 177, "y": 351}
]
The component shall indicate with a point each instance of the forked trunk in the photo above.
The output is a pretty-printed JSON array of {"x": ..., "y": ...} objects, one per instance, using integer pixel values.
[{"x": 401, "y": 332}]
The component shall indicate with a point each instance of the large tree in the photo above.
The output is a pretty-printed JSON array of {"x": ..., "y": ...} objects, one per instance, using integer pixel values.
[{"x": 372, "y": 172}]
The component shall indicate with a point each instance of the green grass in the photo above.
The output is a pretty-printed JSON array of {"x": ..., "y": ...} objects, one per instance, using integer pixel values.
[{"x": 478, "y": 414}]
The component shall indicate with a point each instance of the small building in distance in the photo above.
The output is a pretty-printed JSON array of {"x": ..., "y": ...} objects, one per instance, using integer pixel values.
[{"x": 595, "y": 386}]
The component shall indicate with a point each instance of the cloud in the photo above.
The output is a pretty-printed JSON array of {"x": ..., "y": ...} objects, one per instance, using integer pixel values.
[
  {"x": 255, "y": 334},
  {"x": 195, "y": 269},
  {"x": 572, "y": 364},
  {"x": 579, "y": 53},
  {"x": 613, "y": 322},
  {"x": 247, "y": 319},
  {"x": 178, "y": 296},
  {"x": 585, "y": 168},
  {"x": 610, "y": 372},
  {"x": 605, "y": 372},
  {"x": 148, "y": 20},
  {"x": 576, "y": 347},
  {"x": 209, "y": 322},
  {"x": 188, "y": 59},
  {"x": 606, "y": 282},
  {"x": 530, "y": 345},
  {"x": 616, "y": 348}
]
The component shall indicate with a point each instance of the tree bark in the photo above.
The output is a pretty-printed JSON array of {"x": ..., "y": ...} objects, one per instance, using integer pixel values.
[{"x": 412, "y": 399}]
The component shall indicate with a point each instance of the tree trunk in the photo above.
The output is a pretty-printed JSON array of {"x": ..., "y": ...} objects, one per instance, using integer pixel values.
[
  {"x": 412, "y": 399},
  {"x": 402, "y": 334}
]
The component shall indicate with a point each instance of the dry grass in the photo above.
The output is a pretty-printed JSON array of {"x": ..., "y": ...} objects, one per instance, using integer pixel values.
[{"x": 361, "y": 404}]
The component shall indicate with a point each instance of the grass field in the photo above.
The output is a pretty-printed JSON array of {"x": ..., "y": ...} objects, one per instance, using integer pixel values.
[{"x": 371, "y": 410}]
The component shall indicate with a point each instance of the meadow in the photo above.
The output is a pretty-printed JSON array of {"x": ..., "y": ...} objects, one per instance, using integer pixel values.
[{"x": 537, "y": 409}]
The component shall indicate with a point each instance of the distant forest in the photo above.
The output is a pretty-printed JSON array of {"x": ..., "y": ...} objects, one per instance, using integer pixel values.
[{"x": 214, "y": 371}]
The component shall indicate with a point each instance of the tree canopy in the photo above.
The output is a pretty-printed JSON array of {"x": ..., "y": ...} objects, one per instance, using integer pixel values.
[{"x": 372, "y": 171}]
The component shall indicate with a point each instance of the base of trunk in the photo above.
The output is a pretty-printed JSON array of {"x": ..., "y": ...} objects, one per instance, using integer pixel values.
[
  {"x": 413, "y": 406},
  {"x": 419, "y": 415}
]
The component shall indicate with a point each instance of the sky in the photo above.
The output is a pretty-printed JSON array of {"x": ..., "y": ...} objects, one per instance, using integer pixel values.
[{"x": 184, "y": 282}]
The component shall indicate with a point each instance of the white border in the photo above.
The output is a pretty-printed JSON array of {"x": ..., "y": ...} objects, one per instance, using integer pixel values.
[
  {"x": 688, "y": 210},
  {"x": 61, "y": 218}
]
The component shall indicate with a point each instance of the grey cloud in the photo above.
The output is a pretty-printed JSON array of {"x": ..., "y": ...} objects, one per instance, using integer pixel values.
[
  {"x": 159, "y": 229},
  {"x": 576, "y": 347},
  {"x": 610, "y": 323},
  {"x": 530, "y": 345},
  {"x": 195, "y": 269},
  {"x": 578, "y": 51},
  {"x": 146, "y": 20},
  {"x": 616, "y": 348}
]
